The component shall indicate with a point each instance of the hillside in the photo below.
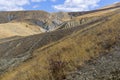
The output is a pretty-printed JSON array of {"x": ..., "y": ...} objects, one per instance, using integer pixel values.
[
  {"x": 18, "y": 29},
  {"x": 40, "y": 18},
  {"x": 77, "y": 46},
  {"x": 87, "y": 18},
  {"x": 29, "y": 19},
  {"x": 117, "y": 4},
  {"x": 59, "y": 59},
  {"x": 49, "y": 21}
]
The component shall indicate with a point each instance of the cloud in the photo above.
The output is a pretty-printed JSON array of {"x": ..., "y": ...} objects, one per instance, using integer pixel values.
[
  {"x": 7, "y": 5},
  {"x": 37, "y": 0},
  {"x": 14, "y": 5},
  {"x": 42, "y": 0},
  {"x": 36, "y": 6},
  {"x": 77, "y": 5}
]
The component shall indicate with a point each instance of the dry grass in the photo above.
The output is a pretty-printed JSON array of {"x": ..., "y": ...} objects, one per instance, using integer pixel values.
[
  {"x": 18, "y": 29},
  {"x": 98, "y": 13},
  {"x": 86, "y": 18},
  {"x": 113, "y": 5},
  {"x": 56, "y": 60}
]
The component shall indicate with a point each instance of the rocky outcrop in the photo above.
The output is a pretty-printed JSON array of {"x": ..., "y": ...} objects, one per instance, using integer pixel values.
[{"x": 78, "y": 22}]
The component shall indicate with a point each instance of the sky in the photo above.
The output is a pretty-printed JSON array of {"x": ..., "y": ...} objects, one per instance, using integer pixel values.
[{"x": 54, "y": 5}]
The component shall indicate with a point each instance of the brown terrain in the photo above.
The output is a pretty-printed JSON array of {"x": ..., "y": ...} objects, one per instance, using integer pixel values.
[{"x": 37, "y": 45}]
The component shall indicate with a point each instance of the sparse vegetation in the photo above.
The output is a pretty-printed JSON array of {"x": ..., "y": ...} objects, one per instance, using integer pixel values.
[
  {"x": 56, "y": 60},
  {"x": 75, "y": 45}
]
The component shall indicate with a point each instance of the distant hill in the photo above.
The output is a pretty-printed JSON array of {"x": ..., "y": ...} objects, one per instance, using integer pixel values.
[{"x": 40, "y": 18}]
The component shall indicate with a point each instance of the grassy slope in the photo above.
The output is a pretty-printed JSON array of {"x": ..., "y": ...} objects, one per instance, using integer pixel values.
[
  {"x": 58, "y": 59},
  {"x": 98, "y": 13},
  {"x": 18, "y": 29},
  {"x": 86, "y": 18},
  {"x": 113, "y": 5}
]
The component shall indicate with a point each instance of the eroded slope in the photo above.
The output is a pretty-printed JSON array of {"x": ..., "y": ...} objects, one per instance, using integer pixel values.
[{"x": 55, "y": 61}]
